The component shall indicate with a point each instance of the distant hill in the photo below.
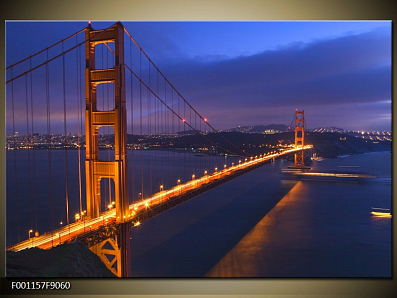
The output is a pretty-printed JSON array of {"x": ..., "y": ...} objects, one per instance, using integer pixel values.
[
  {"x": 187, "y": 132},
  {"x": 260, "y": 128}
]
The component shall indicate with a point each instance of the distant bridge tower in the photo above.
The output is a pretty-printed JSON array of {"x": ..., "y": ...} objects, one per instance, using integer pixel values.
[
  {"x": 299, "y": 137},
  {"x": 118, "y": 248}
]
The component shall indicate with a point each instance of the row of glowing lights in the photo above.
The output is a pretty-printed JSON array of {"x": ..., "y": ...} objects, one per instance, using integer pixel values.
[
  {"x": 111, "y": 213},
  {"x": 66, "y": 230}
]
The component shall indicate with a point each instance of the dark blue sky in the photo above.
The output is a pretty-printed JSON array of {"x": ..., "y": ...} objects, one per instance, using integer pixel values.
[{"x": 250, "y": 73}]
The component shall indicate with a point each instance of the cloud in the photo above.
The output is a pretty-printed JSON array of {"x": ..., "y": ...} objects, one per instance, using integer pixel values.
[
  {"x": 354, "y": 69},
  {"x": 331, "y": 79}
]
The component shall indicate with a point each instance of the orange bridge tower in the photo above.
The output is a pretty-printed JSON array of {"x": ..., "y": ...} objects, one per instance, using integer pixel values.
[
  {"x": 118, "y": 246},
  {"x": 299, "y": 137}
]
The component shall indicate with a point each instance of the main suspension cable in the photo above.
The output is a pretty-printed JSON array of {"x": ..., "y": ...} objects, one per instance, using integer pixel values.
[
  {"x": 46, "y": 49},
  {"x": 172, "y": 86}
]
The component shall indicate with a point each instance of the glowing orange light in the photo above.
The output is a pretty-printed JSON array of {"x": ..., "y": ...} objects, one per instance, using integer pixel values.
[{"x": 205, "y": 119}]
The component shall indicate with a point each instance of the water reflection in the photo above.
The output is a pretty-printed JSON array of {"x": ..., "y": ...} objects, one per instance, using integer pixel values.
[{"x": 254, "y": 252}]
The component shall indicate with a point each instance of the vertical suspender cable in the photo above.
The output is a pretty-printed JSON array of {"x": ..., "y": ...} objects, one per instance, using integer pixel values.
[
  {"x": 65, "y": 136},
  {"x": 149, "y": 139},
  {"x": 34, "y": 155},
  {"x": 78, "y": 99},
  {"x": 173, "y": 132},
  {"x": 132, "y": 131},
  {"x": 15, "y": 157},
  {"x": 140, "y": 121},
  {"x": 165, "y": 132},
  {"x": 157, "y": 122},
  {"x": 28, "y": 151},
  {"x": 185, "y": 138},
  {"x": 161, "y": 137},
  {"x": 190, "y": 143},
  {"x": 179, "y": 140},
  {"x": 49, "y": 142}
]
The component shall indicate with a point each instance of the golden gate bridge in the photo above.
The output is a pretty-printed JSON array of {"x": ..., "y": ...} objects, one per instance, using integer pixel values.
[{"x": 129, "y": 104}]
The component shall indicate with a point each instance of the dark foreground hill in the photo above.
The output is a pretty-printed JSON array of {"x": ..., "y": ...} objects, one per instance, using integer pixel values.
[{"x": 67, "y": 260}]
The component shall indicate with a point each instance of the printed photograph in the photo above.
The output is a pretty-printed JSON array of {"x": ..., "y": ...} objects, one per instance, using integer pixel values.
[{"x": 256, "y": 149}]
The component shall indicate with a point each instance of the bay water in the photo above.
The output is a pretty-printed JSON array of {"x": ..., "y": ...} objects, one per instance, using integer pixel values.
[{"x": 261, "y": 224}]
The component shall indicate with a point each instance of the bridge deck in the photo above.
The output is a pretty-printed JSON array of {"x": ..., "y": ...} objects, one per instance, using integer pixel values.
[{"x": 87, "y": 230}]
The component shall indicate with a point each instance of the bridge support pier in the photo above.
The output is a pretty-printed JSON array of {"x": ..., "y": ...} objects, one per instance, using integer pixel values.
[{"x": 114, "y": 252}]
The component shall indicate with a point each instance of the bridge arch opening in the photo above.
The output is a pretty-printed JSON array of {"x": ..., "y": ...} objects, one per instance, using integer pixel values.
[
  {"x": 104, "y": 55},
  {"x": 107, "y": 194},
  {"x": 105, "y": 97},
  {"x": 106, "y": 143}
]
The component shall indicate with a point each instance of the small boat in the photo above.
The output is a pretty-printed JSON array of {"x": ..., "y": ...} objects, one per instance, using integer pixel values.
[
  {"x": 333, "y": 176},
  {"x": 380, "y": 212}
]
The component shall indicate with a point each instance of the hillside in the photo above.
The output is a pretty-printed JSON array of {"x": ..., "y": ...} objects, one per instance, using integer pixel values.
[{"x": 66, "y": 260}]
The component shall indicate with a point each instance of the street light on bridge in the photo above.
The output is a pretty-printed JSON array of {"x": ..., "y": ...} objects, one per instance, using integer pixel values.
[
  {"x": 31, "y": 231},
  {"x": 161, "y": 189}
]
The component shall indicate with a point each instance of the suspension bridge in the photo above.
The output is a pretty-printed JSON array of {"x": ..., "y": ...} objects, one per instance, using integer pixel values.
[{"x": 146, "y": 148}]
